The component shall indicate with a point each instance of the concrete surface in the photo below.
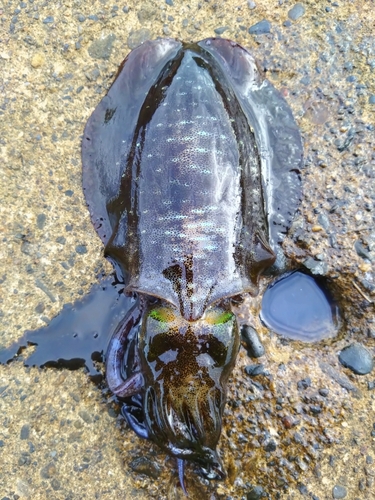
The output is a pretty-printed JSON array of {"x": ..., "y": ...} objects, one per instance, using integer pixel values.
[{"x": 60, "y": 437}]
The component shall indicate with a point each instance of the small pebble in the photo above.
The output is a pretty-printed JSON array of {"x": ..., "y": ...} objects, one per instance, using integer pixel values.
[
  {"x": 260, "y": 28},
  {"x": 254, "y": 370},
  {"x": 361, "y": 250},
  {"x": 304, "y": 384},
  {"x": 339, "y": 492},
  {"x": 316, "y": 267},
  {"x": 102, "y": 47},
  {"x": 40, "y": 308},
  {"x": 255, "y": 348},
  {"x": 315, "y": 409},
  {"x": 41, "y": 220},
  {"x": 25, "y": 432},
  {"x": 144, "y": 465},
  {"x": 220, "y": 31},
  {"x": 288, "y": 422},
  {"x": 357, "y": 358},
  {"x": 255, "y": 493},
  {"x": 303, "y": 489},
  {"x": 167, "y": 31},
  {"x": 81, "y": 249},
  {"x": 55, "y": 483},
  {"x": 92, "y": 76},
  {"x": 371, "y": 99},
  {"x": 48, "y": 471},
  {"x": 270, "y": 446},
  {"x": 24, "y": 459},
  {"x": 296, "y": 12},
  {"x": 49, "y": 20}
]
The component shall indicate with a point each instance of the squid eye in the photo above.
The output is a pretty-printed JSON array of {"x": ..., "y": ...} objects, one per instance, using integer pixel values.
[
  {"x": 218, "y": 316},
  {"x": 162, "y": 314}
]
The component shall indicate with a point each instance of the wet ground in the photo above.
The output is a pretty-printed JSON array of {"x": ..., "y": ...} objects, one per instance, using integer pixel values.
[{"x": 303, "y": 427}]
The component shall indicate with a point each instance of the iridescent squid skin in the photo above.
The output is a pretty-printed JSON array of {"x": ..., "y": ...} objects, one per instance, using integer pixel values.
[{"x": 191, "y": 174}]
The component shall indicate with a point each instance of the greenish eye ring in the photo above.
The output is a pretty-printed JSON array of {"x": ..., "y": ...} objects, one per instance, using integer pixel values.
[
  {"x": 161, "y": 314},
  {"x": 219, "y": 316},
  {"x": 224, "y": 318}
]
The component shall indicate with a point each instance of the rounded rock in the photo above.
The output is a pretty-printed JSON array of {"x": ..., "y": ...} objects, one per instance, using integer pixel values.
[
  {"x": 296, "y": 11},
  {"x": 81, "y": 249},
  {"x": 254, "y": 346},
  {"x": 260, "y": 28},
  {"x": 220, "y": 31},
  {"x": 339, "y": 492},
  {"x": 357, "y": 358}
]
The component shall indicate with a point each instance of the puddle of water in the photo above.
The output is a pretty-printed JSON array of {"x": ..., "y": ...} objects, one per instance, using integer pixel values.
[
  {"x": 299, "y": 307},
  {"x": 79, "y": 335}
]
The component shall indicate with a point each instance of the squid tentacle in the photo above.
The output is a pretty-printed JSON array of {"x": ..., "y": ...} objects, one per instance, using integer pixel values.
[{"x": 181, "y": 474}]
